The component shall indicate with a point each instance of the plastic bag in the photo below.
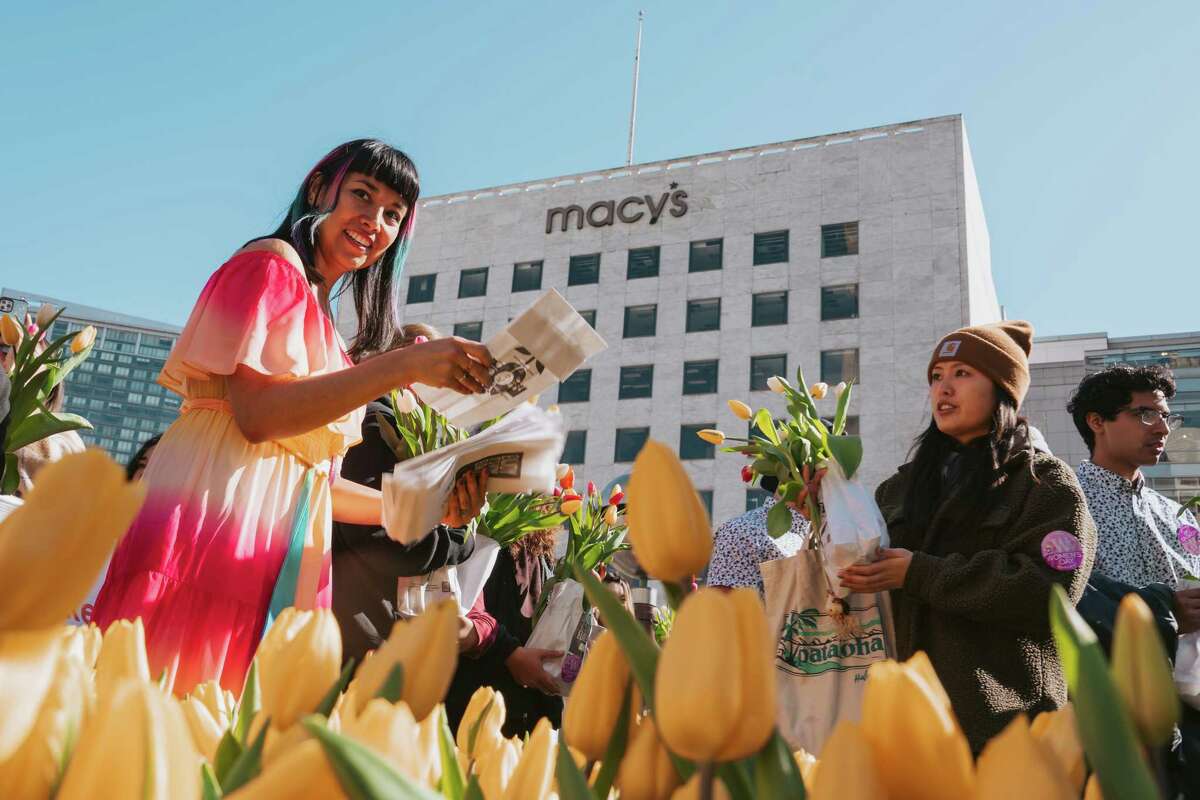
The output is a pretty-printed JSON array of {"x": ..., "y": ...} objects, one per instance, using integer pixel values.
[
  {"x": 1187, "y": 661},
  {"x": 853, "y": 527},
  {"x": 566, "y": 627}
]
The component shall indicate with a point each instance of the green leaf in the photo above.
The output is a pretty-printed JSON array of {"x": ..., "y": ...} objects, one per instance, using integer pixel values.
[
  {"x": 393, "y": 688},
  {"x": 616, "y": 747},
  {"x": 228, "y": 752},
  {"x": 1103, "y": 725},
  {"x": 640, "y": 650},
  {"x": 248, "y": 706},
  {"x": 38, "y": 426},
  {"x": 766, "y": 425},
  {"x": 210, "y": 789},
  {"x": 736, "y": 777},
  {"x": 848, "y": 451},
  {"x": 473, "y": 790},
  {"x": 572, "y": 785},
  {"x": 325, "y": 707},
  {"x": 775, "y": 772},
  {"x": 363, "y": 774},
  {"x": 839, "y": 416},
  {"x": 779, "y": 520},
  {"x": 248, "y": 764},
  {"x": 452, "y": 778},
  {"x": 11, "y": 478}
]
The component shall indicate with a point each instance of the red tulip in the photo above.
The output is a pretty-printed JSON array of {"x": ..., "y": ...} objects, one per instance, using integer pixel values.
[
  {"x": 568, "y": 480},
  {"x": 557, "y": 491},
  {"x": 616, "y": 499},
  {"x": 747, "y": 474},
  {"x": 591, "y": 488}
]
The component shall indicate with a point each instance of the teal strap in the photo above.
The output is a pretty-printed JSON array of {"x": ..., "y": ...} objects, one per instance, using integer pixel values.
[{"x": 289, "y": 574}]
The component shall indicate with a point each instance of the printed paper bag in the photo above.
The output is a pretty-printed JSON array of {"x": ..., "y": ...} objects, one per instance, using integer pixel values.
[{"x": 566, "y": 627}]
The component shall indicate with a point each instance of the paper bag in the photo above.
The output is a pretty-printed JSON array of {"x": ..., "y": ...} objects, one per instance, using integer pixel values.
[{"x": 565, "y": 626}]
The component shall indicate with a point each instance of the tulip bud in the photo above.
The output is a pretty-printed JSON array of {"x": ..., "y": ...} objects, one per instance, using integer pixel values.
[
  {"x": 429, "y": 759},
  {"x": 10, "y": 331},
  {"x": 837, "y": 390},
  {"x": 591, "y": 489},
  {"x": 1142, "y": 672},
  {"x": 83, "y": 340},
  {"x": 302, "y": 771},
  {"x": 646, "y": 771},
  {"x": 220, "y": 703},
  {"x": 122, "y": 656},
  {"x": 44, "y": 315},
  {"x": 558, "y": 491},
  {"x": 846, "y": 770},
  {"x": 534, "y": 774},
  {"x": 426, "y": 647},
  {"x": 406, "y": 402},
  {"x": 298, "y": 660},
  {"x": 778, "y": 384},
  {"x": 610, "y": 516},
  {"x": 747, "y": 473},
  {"x": 668, "y": 525},
  {"x": 740, "y": 409},
  {"x": 567, "y": 480},
  {"x": 206, "y": 731},
  {"x": 1056, "y": 732},
  {"x": 560, "y": 471},
  {"x": 27, "y": 661},
  {"x": 1013, "y": 764},
  {"x": 595, "y": 703},
  {"x": 390, "y": 731},
  {"x": 1092, "y": 791},
  {"x": 571, "y": 503},
  {"x": 819, "y": 390},
  {"x": 806, "y": 762},
  {"x": 496, "y": 767},
  {"x": 616, "y": 495},
  {"x": 712, "y": 436},
  {"x": 487, "y": 735}
]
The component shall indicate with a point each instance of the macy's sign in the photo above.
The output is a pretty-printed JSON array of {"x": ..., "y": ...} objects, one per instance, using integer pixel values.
[{"x": 607, "y": 212}]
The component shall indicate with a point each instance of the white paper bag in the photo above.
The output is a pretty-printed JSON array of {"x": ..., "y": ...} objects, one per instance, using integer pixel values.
[
  {"x": 1187, "y": 661},
  {"x": 566, "y": 627},
  {"x": 853, "y": 525},
  {"x": 473, "y": 573}
]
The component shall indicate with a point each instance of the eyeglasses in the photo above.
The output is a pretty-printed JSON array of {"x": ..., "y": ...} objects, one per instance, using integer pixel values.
[{"x": 1150, "y": 416}]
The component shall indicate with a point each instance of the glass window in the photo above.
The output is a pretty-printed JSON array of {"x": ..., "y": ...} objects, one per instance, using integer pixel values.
[
  {"x": 700, "y": 377},
  {"x": 704, "y": 315},
  {"x": 469, "y": 330},
  {"x": 636, "y": 382},
  {"x": 420, "y": 288},
  {"x": 589, "y": 316},
  {"x": 769, "y": 308},
  {"x": 575, "y": 448},
  {"x": 583, "y": 270},
  {"x": 705, "y": 255},
  {"x": 473, "y": 282},
  {"x": 629, "y": 443},
  {"x": 691, "y": 446},
  {"x": 755, "y": 498},
  {"x": 153, "y": 400},
  {"x": 640, "y": 321},
  {"x": 839, "y": 239},
  {"x": 527, "y": 276},
  {"x": 577, "y": 388},
  {"x": 706, "y": 497},
  {"x": 770, "y": 248},
  {"x": 763, "y": 367},
  {"x": 839, "y": 365},
  {"x": 839, "y": 302},
  {"x": 643, "y": 263}
]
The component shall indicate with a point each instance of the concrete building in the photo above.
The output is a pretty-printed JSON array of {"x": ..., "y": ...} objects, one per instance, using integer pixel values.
[
  {"x": 848, "y": 255},
  {"x": 1059, "y": 363},
  {"x": 114, "y": 388}
]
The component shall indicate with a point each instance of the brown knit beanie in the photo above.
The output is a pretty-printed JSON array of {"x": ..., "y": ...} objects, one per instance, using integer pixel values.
[{"x": 999, "y": 350}]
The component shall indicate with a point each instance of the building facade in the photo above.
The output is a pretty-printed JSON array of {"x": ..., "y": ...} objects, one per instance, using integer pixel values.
[
  {"x": 114, "y": 388},
  {"x": 848, "y": 255},
  {"x": 1059, "y": 363}
]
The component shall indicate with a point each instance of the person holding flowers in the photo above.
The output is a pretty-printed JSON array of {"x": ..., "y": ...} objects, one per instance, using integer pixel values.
[{"x": 243, "y": 487}]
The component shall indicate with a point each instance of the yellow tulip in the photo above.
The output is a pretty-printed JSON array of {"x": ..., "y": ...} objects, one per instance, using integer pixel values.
[
  {"x": 220, "y": 702},
  {"x": 27, "y": 660},
  {"x": 712, "y": 436},
  {"x": 83, "y": 340},
  {"x": 1015, "y": 764},
  {"x": 303, "y": 773},
  {"x": 1142, "y": 672},
  {"x": 1056, "y": 731},
  {"x": 88, "y": 639},
  {"x": 427, "y": 648},
  {"x": 740, "y": 409},
  {"x": 390, "y": 731},
  {"x": 488, "y": 735},
  {"x": 846, "y": 770},
  {"x": 10, "y": 331},
  {"x": 51, "y": 551},
  {"x": 596, "y": 699},
  {"x": 137, "y": 745},
  {"x": 611, "y": 516},
  {"x": 429, "y": 755},
  {"x": 720, "y": 649},
  {"x": 298, "y": 660},
  {"x": 668, "y": 525},
  {"x": 837, "y": 390},
  {"x": 206, "y": 731},
  {"x": 44, "y": 315},
  {"x": 691, "y": 789},
  {"x": 906, "y": 716},
  {"x": 571, "y": 506},
  {"x": 778, "y": 384},
  {"x": 819, "y": 390},
  {"x": 534, "y": 774},
  {"x": 1092, "y": 792},
  {"x": 806, "y": 762},
  {"x": 122, "y": 656},
  {"x": 495, "y": 768},
  {"x": 646, "y": 771},
  {"x": 278, "y": 743}
]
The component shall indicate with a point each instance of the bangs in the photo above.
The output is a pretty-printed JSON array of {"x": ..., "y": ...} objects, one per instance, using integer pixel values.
[{"x": 389, "y": 165}]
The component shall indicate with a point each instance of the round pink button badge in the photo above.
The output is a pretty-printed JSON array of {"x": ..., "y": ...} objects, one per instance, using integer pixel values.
[
  {"x": 1189, "y": 539},
  {"x": 1062, "y": 551}
]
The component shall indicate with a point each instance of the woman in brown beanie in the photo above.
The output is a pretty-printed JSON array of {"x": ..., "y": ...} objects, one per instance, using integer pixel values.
[{"x": 982, "y": 526}]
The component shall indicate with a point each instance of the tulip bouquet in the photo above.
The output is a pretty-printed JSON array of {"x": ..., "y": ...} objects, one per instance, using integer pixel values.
[
  {"x": 37, "y": 369},
  {"x": 595, "y": 525}
]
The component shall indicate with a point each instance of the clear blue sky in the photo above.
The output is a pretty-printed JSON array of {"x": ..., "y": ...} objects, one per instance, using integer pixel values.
[{"x": 143, "y": 142}]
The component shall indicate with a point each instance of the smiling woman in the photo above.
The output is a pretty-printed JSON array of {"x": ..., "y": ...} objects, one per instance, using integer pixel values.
[{"x": 243, "y": 487}]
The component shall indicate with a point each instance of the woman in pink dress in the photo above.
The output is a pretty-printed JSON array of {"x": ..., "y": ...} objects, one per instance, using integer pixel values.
[{"x": 243, "y": 487}]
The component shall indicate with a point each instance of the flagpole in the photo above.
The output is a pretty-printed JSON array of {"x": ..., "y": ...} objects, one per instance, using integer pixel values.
[{"x": 637, "y": 59}]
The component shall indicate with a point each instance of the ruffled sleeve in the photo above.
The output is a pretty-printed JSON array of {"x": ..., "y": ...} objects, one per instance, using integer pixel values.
[{"x": 257, "y": 310}]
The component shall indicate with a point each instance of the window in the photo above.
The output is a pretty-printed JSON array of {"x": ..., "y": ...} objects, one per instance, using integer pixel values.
[
  {"x": 629, "y": 443},
  {"x": 575, "y": 449},
  {"x": 755, "y": 498},
  {"x": 420, "y": 288},
  {"x": 643, "y": 263},
  {"x": 851, "y": 424},
  {"x": 577, "y": 388},
  {"x": 636, "y": 382},
  {"x": 704, "y": 315},
  {"x": 469, "y": 330},
  {"x": 770, "y": 248},
  {"x": 691, "y": 446},
  {"x": 839, "y": 302},
  {"x": 583, "y": 270},
  {"x": 770, "y": 308},
  {"x": 527, "y": 276},
  {"x": 705, "y": 255},
  {"x": 706, "y": 497},
  {"x": 640, "y": 321},
  {"x": 839, "y": 239},
  {"x": 153, "y": 400},
  {"x": 763, "y": 367},
  {"x": 700, "y": 377},
  {"x": 589, "y": 317},
  {"x": 839, "y": 365},
  {"x": 473, "y": 282}
]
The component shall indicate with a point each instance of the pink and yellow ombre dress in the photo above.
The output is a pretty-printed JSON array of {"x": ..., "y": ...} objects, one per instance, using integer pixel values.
[{"x": 232, "y": 532}]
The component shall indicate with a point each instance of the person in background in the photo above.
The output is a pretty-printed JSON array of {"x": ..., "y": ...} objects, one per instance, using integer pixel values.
[
  {"x": 34, "y": 457},
  {"x": 137, "y": 464},
  {"x": 982, "y": 527},
  {"x": 742, "y": 543}
]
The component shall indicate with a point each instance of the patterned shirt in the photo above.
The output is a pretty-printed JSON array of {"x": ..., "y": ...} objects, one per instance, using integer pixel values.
[
  {"x": 742, "y": 543},
  {"x": 1141, "y": 538}
]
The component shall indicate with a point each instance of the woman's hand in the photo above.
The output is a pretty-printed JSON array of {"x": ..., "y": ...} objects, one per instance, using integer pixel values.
[
  {"x": 886, "y": 573},
  {"x": 465, "y": 500},
  {"x": 525, "y": 665},
  {"x": 449, "y": 363}
]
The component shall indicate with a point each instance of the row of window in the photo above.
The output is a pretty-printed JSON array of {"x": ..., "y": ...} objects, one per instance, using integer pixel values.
[
  {"x": 700, "y": 377},
  {"x": 839, "y": 239}
]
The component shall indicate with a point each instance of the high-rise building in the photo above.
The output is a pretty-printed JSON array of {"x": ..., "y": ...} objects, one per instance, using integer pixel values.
[
  {"x": 848, "y": 254},
  {"x": 114, "y": 388}
]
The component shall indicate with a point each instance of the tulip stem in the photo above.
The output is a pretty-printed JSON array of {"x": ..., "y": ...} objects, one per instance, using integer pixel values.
[
  {"x": 675, "y": 593},
  {"x": 706, "y": 780}
]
